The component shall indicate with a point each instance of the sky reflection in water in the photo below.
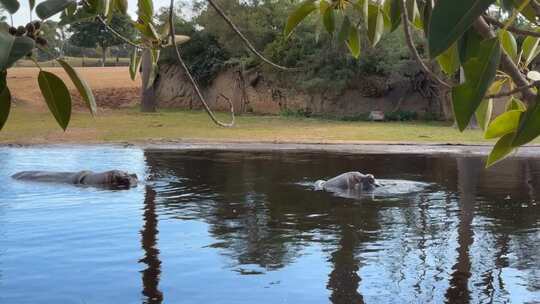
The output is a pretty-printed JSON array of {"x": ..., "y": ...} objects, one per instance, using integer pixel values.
[{"x": 233, "y": 227}]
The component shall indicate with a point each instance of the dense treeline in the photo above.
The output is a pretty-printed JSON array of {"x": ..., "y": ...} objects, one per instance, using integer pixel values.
[{"x": 326, "y": 64}]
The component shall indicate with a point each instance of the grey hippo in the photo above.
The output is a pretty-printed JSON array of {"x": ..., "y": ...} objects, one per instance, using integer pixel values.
[
  {"x": 107, "y": 179},
  {"x": 349, "y": 181}
]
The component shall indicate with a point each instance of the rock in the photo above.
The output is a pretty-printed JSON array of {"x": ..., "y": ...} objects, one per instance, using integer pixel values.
[{"x": 376, "y": 115}]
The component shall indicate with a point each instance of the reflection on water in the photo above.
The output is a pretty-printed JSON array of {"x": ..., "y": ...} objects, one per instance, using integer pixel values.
[
  {"x": 149, "y": 233},
  {"x": 240, "y": 228}
]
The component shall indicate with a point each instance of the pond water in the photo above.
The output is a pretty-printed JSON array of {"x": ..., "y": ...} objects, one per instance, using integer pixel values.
[{"x": 238, "y": 227}]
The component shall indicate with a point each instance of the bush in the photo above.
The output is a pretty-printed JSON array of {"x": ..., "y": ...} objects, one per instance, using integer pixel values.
[{"x": 400, "y": 116}]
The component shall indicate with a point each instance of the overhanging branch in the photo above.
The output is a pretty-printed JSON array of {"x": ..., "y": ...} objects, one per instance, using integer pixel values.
[
  {"x": 172, "y": 35},
  {"x": 514, "y": 91},
  {"x": 510, "y": 28},
  {"x": 245, "y": 40},
  {"x": 412, "y": 48},
  {"x": 507, "y": 65}
]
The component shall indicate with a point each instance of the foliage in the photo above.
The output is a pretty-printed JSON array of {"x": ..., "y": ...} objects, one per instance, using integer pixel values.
[
  {"x": 93, "y": 33},
  {"x": 204, "y": 55},
  {"x": 457, "y": 36}
]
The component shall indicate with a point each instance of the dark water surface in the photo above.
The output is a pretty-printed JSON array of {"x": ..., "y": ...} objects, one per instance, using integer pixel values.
[{"x": 231, "y": 227}]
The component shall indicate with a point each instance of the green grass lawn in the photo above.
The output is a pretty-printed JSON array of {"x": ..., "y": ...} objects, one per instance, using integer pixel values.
[
  {"x": 25, "y": 126},
  {"x": 76, "y": 62}
]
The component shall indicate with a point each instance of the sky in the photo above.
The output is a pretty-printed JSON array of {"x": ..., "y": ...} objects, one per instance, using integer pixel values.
[{"x": 22, "y": 16}]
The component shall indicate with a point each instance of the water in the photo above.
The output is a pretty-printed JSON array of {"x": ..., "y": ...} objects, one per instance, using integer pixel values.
[{"x": 231, "y": 227}]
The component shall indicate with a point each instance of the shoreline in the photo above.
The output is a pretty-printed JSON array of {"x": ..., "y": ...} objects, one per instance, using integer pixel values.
[{"x": 351, "y": 147}]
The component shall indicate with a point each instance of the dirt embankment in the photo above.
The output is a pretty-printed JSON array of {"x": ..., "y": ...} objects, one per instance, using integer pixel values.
[{"x": 112, "y": 86}]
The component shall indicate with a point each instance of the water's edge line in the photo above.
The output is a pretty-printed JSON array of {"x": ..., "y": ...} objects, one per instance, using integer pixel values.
[{"x": 363, "y": 147}]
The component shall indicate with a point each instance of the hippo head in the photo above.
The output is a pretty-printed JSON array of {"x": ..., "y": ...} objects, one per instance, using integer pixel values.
[
  {"x": 122, "y": 179},
  {"x": 368, "y": 182}
]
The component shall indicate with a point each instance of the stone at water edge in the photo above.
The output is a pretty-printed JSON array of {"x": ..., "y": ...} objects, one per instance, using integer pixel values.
[{"x": 376, "y": 115}]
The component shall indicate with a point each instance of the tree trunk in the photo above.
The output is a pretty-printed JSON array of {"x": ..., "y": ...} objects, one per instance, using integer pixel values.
[
  {"x": 103, "y": 55},
  {"x": 469, "y": 170},
  {"x": 148, "y": 100}
]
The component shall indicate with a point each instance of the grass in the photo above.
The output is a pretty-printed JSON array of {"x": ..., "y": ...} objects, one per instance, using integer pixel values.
[
  {"x": 26, "y": 126},
  {"x": 76, "y": 62}
]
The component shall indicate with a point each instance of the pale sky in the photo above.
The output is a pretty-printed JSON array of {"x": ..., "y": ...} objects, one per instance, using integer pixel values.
[{"x": 22, "y": 16}]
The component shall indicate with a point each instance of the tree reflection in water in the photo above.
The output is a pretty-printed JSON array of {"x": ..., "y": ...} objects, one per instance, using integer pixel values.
[
  {"x": 149, "y": 236},
  {"x": 420, "y": 247}
]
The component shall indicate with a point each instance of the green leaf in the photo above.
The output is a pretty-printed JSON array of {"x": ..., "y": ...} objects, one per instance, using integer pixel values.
[
  {"x": 414, "y": 14},
  {"x": 49, "y": 8},
  {"x": 503, "y": 124},
  {"x": 496, "y": 86},
  {"x": 329, "y": 20},
  {"x": 104, "y": 8},
  {"x": 353, "y": 42},
  {"x": 449, "y": 60},
  {"x": 32, "y": 3},
  {"x": 323, "y": 6},
  {"x": 363, "y": 7},
  {"x": 509, "y": 44},
  {"x": 145, "y": 10},
  {"x": 134, "y": 63},
  {"x": 306, "y": 8},
  {"x": 154, "y": 32},
  {"x": 343, "y": 34},
  {"x": 468, "y": 45},
  {"x": 450, "y": 19},
  {"x": 427, "y": 8},
  {"x": 56, "y": 96},
  {"x": 5, "y": 101},
  {"x": 484, "y": 112},
  {"x": 529, "y": 127},
  {"x": 502, "y": 149},
  {"x": 515, "y": 104},
  {"x": 530, "y": 49},
  {"x": 375, "y": 24},
  {"x": 121, "y": 6},
  {"x": 82, "y": 87},
  {"x": 12, "y": 6},
  {"x": 393, "y": 11},
  {"x": 479, "y": 74},
  {"x": 13, "y": 48}
]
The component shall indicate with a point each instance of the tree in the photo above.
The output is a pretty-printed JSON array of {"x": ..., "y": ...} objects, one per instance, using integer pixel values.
[{"x": 93, "y": 34}]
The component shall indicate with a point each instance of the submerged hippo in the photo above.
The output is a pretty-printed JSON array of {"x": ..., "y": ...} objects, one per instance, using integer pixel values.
[
  {"x": 350, "y": 181},
  {"x": 113, "y": 178}
]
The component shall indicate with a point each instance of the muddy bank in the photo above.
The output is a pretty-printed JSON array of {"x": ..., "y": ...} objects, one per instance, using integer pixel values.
[{"x": 410, "y": 148}]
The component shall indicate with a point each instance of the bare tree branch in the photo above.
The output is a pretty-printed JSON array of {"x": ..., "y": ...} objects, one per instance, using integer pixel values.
[
  {"x": 190, "y": 77},
  {"x": 246, "y": 41},
  {"x": 114, "y": 32},
  {"x": 507, "y": 65},
  {"x": 514, "y": 91},
  {"x": 511, "y": 28},
  {"x": 412, "y": 48}
]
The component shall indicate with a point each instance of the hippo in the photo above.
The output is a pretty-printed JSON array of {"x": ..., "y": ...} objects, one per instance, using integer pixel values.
[
  {"x": 108, "y": 179},
  {"x": 349, "y": 181}
]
